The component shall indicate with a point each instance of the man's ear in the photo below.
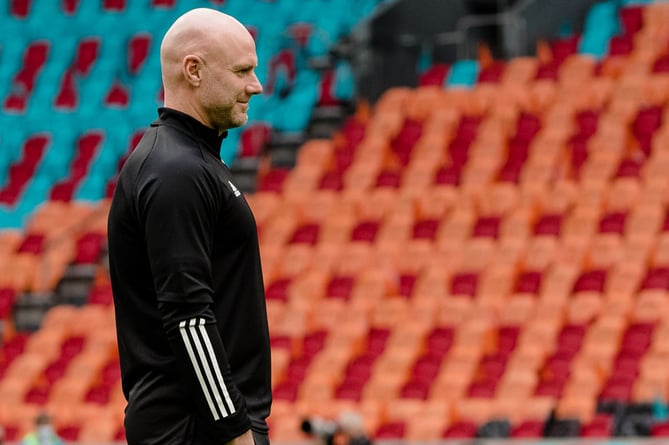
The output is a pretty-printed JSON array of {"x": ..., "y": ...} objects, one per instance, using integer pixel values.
[{"x": 192, "y": 70}]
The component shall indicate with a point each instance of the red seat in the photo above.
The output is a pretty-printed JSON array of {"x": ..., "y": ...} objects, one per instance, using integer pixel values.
[
  {"x": 547, "y": 71},
  {"x": 365, "y": 231},
  {"x": 273, "y": 180},
  {"x": 621, "y": 45},
  {"x": 461, "y": 429},
  {"x": 549, "y": 388},
  {"x": 415, "y": 389},
  {"x": 579, "y": 152},
  {"x": 528, "y": 429},
  {"x": 70, "y": 6},
  {"x": 111, "y": 373},
  {"x": 118, "y": 96},
  {"x": 435, "y": 75},
  {"x": 656, "y": 278},
  {"x": 278, "y": 290},
  {"x": 138, "y": 49},
  {"x": 340, "y": 287},
  {"x": 390, "y": 430},
  {"x": 548, "y": 225},
  {"x": 426, "y": 368},
  {"x": 326, "y": 96},
  {"x": 376, "y": 341},
  {"x": 406, "y": 285},
  {"x": 253, "y": 139},
  {"x": 306, "y": 234},
  {"x": 7, "y": 298},
  {"x": 114, "y": 5},
  {"x": 163, "y": 3},
  {"x": 631, "y": 18},
  {"x": 492, "y": 73},
  {"x": 587, "y": 121},
  {"x": 389, "y": 178},
  {"x": 313, "y": 343},
  {"x": 87, "y": 54},
  {"x": 89, "y": 248},
  {"x": 439, "y": 341},
  {"x": 407, "y": 137},
  {"x": 331, "y": 180},
  {"x": 557, "y": 367},
  {"x": 350, "y": 389},
  {"x": 38, "y": 395},
  {"x": 426, "y": 229},
  {"x": 98, "y": 394},
  {"x": 617, "y": 389},
  {"x": 62, "y": 191},
  {"x": 32, "y": 243},
  {"x": 661, "y": 65},
  {"x": 447, "y": 175},
  {"x": 565, "y": 47},
  {"x": 527, "y": 126},
  {"x": 23, "y": 83},
  {"x": 360, "y": 368},
  {"x": 492, "y": 367},
  {"x": 510, "y": 172},
  {"x": 570, "y": 339},
  {"x": 55, "y": 370},
  {"x": 69, "y": 433},
  {"x": 72, "y": 346},
  {"x": 464, "y": 284},
  {"x": 660, "y": 429},
  {"x": 297, "y": 370},
  {"x": 100, "y": 295},
  {"x": 528, "y": 282},
  {"x": 67, "y": 97},
  {"x": 629, "y": 168},
  {"x": 20, "y": 8},
  {"x": 283, "y": 62},
  {"x": 301, "y": 32},
  {"x": 458, "y": 150},
  {"x": 487, "y": 227},
  {"x": 483, "y": 388},
  {"x": 592, "y": 280},
  {"x": 506, "y": 340}
]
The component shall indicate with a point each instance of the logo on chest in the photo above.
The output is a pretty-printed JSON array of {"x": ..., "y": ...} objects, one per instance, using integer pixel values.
[{"x": 234, "y": 189}]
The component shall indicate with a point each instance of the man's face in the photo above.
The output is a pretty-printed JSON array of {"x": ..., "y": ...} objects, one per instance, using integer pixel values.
[{"x": 229, "y": 81}]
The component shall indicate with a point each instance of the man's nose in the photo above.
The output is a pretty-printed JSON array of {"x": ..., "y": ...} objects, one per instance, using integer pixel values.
[{"x": 255, "y": 86}]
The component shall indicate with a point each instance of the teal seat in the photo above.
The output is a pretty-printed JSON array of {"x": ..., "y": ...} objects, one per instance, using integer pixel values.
[
  {"x": 295, "y": 110},
  {"x": 92, "y": 188},
  {"x": 10, "y": 218},
  {"x": 463, "y": 74},
  {"x": 601, "y": 24},
  {"x": 230, "y": 146},
  {"x": 344, "y": 87}
]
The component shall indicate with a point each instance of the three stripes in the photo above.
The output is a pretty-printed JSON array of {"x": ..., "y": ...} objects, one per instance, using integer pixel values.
[{"x": 207, "y": 369}]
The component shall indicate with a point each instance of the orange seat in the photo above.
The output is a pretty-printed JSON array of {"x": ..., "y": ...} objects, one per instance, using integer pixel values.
[
  {"x": 579, "y": 406},
  {"x": 69, "y": 389},
  {"x": 99, "y": 429},
  {"x": 477, "y": 410}
]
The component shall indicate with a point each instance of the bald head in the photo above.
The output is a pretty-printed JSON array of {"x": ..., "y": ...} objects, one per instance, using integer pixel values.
[{"x": 197, "y": 54}]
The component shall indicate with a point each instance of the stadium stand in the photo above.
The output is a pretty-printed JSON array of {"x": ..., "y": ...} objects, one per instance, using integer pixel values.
[{"x": 484, "y": 255}]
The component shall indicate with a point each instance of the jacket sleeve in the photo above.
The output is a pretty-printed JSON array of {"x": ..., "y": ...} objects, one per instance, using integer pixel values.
[{"x": 178, "y": 211}]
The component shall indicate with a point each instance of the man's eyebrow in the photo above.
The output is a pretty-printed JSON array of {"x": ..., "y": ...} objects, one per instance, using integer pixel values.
[{"x": 243, "y": 66}]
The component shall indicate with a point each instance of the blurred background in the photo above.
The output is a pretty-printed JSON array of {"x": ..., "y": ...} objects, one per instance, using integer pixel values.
[{"x": 462, "y": 208}]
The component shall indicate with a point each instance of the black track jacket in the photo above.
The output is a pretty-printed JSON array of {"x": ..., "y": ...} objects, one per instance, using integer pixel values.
[{"x": 188, "y": 291}]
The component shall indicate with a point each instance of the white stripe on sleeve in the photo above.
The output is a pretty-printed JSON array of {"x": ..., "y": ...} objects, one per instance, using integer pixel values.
[
  {"x": 198, "y": 372},
  {"x": 217, "y": 368}
]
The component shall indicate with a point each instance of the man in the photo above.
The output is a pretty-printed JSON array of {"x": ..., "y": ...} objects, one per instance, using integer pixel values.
[
  {"x": 183, "y": 252},
  {"x": 43, "y": 433}
]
